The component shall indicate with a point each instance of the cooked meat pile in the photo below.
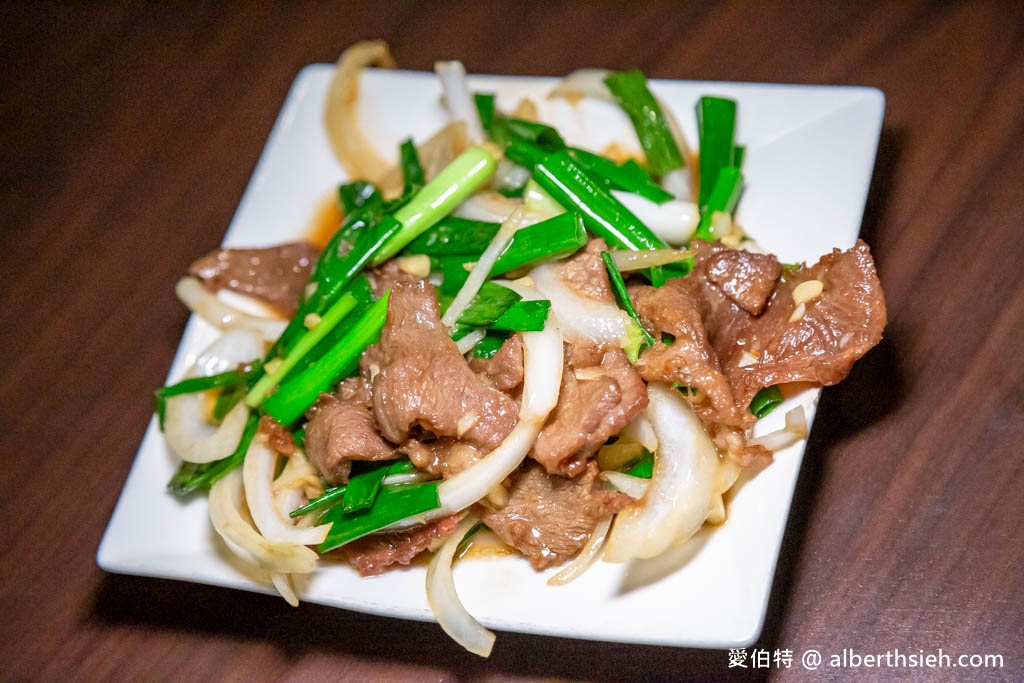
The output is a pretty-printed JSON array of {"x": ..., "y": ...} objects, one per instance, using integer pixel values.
[
  {"x": 732, "y": 334},
  {"x": 737, "y": 323}
]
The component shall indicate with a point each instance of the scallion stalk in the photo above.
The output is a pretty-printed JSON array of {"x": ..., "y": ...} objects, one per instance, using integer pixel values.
[
  {"x": 629, "y": 175},
  {"x": 523, "y": 316},
  {"x": 716, "y": 128},
  {"x": 660, "y": 148},
  {"x": 603, "y": 215},
  {"x": 393, "y": 504},
  {"x": 550, "y": 239},
  {"x": 412, "y": 169},
  {"x": 328, "y": 321},
  {"x": 619, "y": 287},
  {"x": 461, "y": 178},
  {"x": 724, "y": 197},
  {"x": 453, "y": 235},
  {"x": 297, "y": 394}
]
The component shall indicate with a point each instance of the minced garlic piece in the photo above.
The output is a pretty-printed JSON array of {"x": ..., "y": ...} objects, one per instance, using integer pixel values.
[
  {"x": 798, "y": 312},
  {"x": 806, "y": 292}
]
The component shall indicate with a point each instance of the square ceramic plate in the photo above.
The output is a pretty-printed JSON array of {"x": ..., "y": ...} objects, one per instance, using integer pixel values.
[{"x": 810, "y": 152}]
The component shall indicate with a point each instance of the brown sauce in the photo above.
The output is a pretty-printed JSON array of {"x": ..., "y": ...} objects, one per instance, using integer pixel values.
[{"x": 326, "y": 219}]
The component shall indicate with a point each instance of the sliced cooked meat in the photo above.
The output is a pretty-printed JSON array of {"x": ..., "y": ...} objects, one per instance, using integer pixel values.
[
  {"x": 548, "y": 517},
  {"x": 374, "y": 554},
  {"x": 278, "y": 438},
  {"x": 505, "y": 368},
  {"x": 748, "y": 279},
  {"x": 342, "y": 429},
  {"x": 386, "y": 276},
  {"x": 835, "y": 329},
  {"x": 723, "y": 349},
  {"x": 274, "y": 275},
  {"x": 689, "y": 359},
  {"x": 424, "y": 386},
  {"x": 585, "y": 272},
  {"x": 601, "y": 393}
]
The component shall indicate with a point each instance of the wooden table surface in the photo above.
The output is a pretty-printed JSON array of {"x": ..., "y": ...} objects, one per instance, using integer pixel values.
[{"x": 127, "y": 136}]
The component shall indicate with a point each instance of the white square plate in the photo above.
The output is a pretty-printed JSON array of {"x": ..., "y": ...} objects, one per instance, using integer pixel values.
[{"x": 810, "y": 152}]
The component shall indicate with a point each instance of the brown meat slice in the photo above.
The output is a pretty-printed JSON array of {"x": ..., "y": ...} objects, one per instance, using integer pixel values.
[
  {"x": 342, "y": 429},
  {"x": 505, "y": 368},
  {"x": 275, "y": 275},
  {"x": 585, "y": 272},
  {"x": 386, "y": 276},
  {"x": 425, "y": 385},
  {"x": 834, "y": 331},
  {"x": 277, "y": 437},
  {"x": 748, "y": 279},
  {"x": 592, "y": 407},
  {"x": 374, "y": 554},
  {"x": 730, "y": 354},
  {"x": 690, "y": 359},
  {"x": 548, "y": 517}
]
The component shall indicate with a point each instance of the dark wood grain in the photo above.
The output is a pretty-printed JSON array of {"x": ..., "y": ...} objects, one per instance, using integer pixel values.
[{"x": 127, "y": 135}]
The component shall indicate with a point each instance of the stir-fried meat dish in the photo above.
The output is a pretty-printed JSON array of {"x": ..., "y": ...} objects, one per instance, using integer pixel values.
[{"x": 562, "y": 351}]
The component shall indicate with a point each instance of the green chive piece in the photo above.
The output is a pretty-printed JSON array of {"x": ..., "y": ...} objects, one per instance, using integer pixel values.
[
  {"x": 716, "y": 128},
  {"x": 660, "y": 148},
  {"x": 393, "y": 504},
  {"x": 363, "y": 489},
  {"x": 523, "y": 316},
  {"x": 452, "y": 236},
  {"x": 550, "y": 239},
  {"x": 329, "y": 497},
  {"x": 461, "y": 178},
  {"x": 724, "y": 197},
  {"x": 330, "y": 319},
  {"x": 300, "y": 392},
  {"x": 603, "y": 215},
  {"x": 622, "y": 296},
  {"x": 765, "y": 401}
]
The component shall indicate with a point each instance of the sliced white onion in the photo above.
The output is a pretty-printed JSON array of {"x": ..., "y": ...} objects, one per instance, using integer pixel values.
[
  {"x": 187, "y": 429},
  {"x": 258, "y": 471},
  {"x": 298, "y": 483},
  {"x": 634, "y": 487},
  {"x": 542, "y": 373},
  {"x": 483, "y": 267},
  {"x": 583, "y": 83},
  {"x": 581, "y": 319},
  {"x": 794, "y": 431},
  {"x": 283, "y": 584},
  {"x": 627, "y": 259},
  {"x": 458, "y": 98},
  {"x": 213, "y": 310},
  {"x": 642, "y": 431},
  {"x": 678, "y": 183},
  {"x": 585, "y": 557},
  {"x": 487, "y": 206},
  {"x": 673, "y": 221},
  {"x": 444, "y": 601},
  {"x": 341, "y": 112},
  {"x": 226, "y": 506},
  {"x": 467, "y": 343},
  {"x": 679, "y": 496}
]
